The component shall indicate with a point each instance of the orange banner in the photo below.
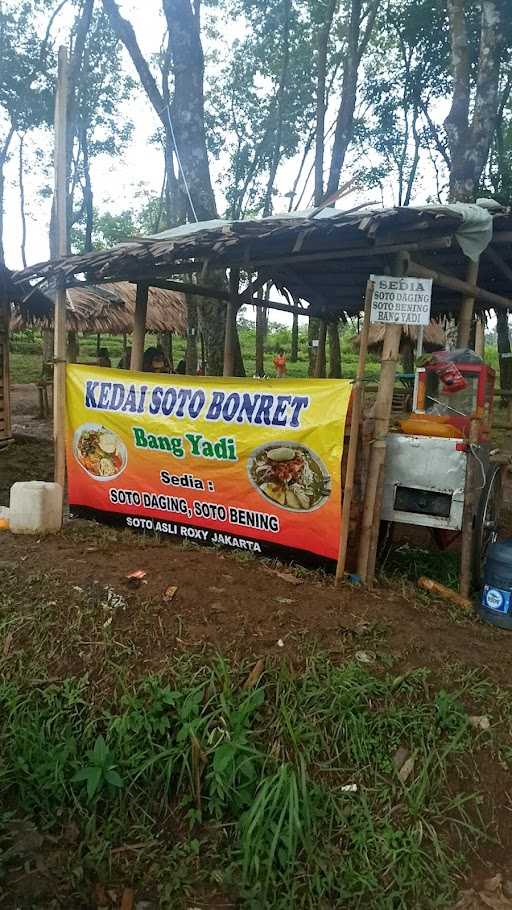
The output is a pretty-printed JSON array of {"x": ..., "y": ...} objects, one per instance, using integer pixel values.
[{"x": 246, "y": 463}]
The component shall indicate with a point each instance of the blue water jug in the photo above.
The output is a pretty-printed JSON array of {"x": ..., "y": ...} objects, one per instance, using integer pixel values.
[{"x": 496, "y": 601}]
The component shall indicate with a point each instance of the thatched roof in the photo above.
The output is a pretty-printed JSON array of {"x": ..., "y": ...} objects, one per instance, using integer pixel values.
[
  {"x": 321, "y": 257},
  {"x": 24, "y": 297},
  {"x": 110, "y": 309},
  {"x": 434, "y": 336}
]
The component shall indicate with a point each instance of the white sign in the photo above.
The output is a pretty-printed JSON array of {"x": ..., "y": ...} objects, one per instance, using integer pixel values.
[{"x": 401, "y": 300}]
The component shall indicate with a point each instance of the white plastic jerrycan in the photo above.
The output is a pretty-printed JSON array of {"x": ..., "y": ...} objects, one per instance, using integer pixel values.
[{"x": 35, "y": 507}]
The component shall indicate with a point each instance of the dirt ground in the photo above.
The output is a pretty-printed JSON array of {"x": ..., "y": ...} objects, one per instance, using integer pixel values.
[{"x": 239, "y": 605}]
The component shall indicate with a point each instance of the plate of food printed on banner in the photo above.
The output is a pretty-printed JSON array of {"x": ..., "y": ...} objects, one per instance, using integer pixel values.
[
  {"x": 99, "y": 451},
  {"x": 289, "y": 475}
]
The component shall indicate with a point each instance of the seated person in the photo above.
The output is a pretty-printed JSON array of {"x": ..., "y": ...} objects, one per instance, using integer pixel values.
[
  {"x": 104, "y": 358},
  {"x": 124, "y": 363},
  {"x": 154, "y": 361}
]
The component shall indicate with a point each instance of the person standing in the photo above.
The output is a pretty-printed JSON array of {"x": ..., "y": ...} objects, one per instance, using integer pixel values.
[{"x": 280, "y": 364}]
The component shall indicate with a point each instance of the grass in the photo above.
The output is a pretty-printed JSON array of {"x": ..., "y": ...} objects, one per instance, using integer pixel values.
[
  {"x": 26, "y": 352},
  {"x": 257, "y": 781},
  {"x": 284, "y": 795}
]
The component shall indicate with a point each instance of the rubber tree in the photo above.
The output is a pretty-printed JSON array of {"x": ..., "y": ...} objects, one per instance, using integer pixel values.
[
  {"x": 471, "y": 121},
  {"x": 182, "y": 117}
]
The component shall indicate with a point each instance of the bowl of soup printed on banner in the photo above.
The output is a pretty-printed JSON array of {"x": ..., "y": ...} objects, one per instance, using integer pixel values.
[
  {"x": 289, "y": 475},
  {"x": 99, "y": 451}
]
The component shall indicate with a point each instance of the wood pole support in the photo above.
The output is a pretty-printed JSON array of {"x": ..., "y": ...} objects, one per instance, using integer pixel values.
[
  {"x": 470, "y": 491},
  {"x": 382, "y": 411},
  {"x": 139, "y": 327},
  {"x": 231, "y": 314},
  {"x": 320, "y": 351},
  {"x": 5, "y": 378},
  {"x": 59, "y": 344},
  {"x": 357, "y": 398},
  {"x": 479, "y": 338},
  {"x": 467, "y": 307},
  {"x": 455, "y": 284}
]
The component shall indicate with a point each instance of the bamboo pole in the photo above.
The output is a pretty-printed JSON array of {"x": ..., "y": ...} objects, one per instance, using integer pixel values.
[
  {"x": 382, "y": 419},
  {"x": 320, "y": 351},
  {"x": 382, "y": 411},
  {"x": 357, "y": 397},
  {"x": 455, "y": 284},
  {"x": 60, "y": 209},
  {"x": 467, "y": 308},
  {"x": 470, "y": 492},
  {"x": 139, "y": 327}
]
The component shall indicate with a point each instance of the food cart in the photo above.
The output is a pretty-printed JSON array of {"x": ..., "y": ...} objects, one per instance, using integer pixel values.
[{"x": 426, "y": 466}]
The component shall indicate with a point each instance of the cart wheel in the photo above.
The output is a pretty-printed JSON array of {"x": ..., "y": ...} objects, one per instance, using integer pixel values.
[{"x": 486, "y": 523}]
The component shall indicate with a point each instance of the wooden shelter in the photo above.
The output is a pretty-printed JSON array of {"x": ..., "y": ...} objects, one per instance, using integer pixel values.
[
  {"x": 322, "y": 260},
  {"x": 110, "y": 309},
  {"x": 18, "y": 294}
]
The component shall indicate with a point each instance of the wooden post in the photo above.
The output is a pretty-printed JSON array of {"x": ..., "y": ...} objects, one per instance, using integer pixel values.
[
  {"x": 470, "y": 493},
  {"x": 467, "y": 307},
  {"x": 382, "y": 411},
  {"x": 60, "y": 209},
  {"x": 357, "y": 397},
  {"x": 508, "y": 435},
  {"x": 230, "y": 334},
  {"x": 320, "y": 351},
  {"x": 479, "y": 338},
  {"x": 5, "y": 372},
  {"x": 203, "y": 355},
  {"x": 229, "y": 339},
  {"x": 139, "y": 326}
]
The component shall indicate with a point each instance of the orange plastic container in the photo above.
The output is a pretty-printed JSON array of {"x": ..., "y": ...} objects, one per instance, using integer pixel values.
[{"x": 435, "y": 425}]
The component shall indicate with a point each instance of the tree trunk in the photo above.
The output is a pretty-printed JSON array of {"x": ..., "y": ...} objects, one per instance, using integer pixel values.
[
  {"x": 407, "y": 355},
  {"x": 469, "y": 142},
  {"x": 260, "y": 341},
  {"x": 185, "y": 120},
  {"x": 505, "y": 362},
  {"x": 73, "y": 346},
  {"x": 4, "y": 153},
  {"x": 294, "y": 352},
  {"x": 188, "y": 107},
  {"x": 23, "y": 215},
  {"x": 334, "y": 350},
  {"x": 345, "y": 118},
  {"x": 191, "y": 349},
  {"x": 276, "y": 154},
  {"x": 313, "y": 333},
  {"x": 88, "y": 196},
  {"x": 321, "y": 100},
  {"x": 47, "y": 339}
]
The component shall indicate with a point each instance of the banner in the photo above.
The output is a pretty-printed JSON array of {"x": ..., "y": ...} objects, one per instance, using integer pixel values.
[{"x": 246, "y": 463}]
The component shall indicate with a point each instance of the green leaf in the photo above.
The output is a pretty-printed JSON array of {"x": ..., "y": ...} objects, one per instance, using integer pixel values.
[
  {"x": 81, "y": 774},
  {"x": 222, "y": 757},
  {"x": 100, "y": 751},
  {"x": 113, "y": 778},
  {"x": 93, "y": 781}
]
